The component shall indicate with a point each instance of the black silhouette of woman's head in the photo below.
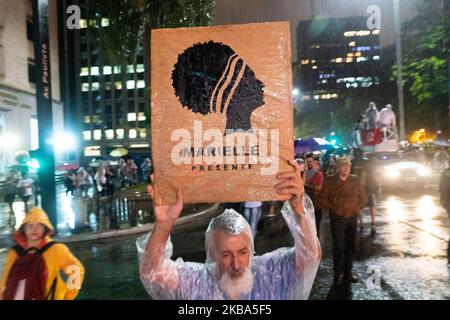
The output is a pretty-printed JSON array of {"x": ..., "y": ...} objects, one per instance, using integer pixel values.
[{"x": 211, "y": 77}]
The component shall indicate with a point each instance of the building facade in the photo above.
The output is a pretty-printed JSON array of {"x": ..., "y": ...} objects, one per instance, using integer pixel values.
[
  {"x": 339, "y": 58},
  {"x": 108, "y": 101},
  {"x": 18, "y": 113}
]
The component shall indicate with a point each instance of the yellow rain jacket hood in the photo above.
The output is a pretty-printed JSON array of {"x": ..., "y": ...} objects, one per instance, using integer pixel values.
[{"x": 58, "y": 259}]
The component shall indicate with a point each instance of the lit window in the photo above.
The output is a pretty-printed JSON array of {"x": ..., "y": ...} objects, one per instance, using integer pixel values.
[
  {"x": 87, "y": 119},
  {"x": 87, "y": 135},
  {"x": 142, "y": 116},
  {"x": 348, "y": 60},
  {"x": 83, "y": 23},
  {"x": 358, "y": 54},
  {"x": 131, "y": 117},
  {"x": 105, "y": 22},
  {"x": 351, "y": 54},
  {"x": 376, "y": 58},
  {"x": 313, "y": 61},
  {"x": 141, "y": 145},
  {"x": 109, "y": 134},
  {"x": 141, "y": 84},
  {"x": 84, "y": 71},
  {"x": 376, "y": 32},
  {"x": 117, "y": 69},
  {"x": 352, "y": 44},
  {"x": 107, "y": 70},
  {"x": 143, "y": 133},
  {"x": 95, "y": 71},
  {"x": 130, "y": 84},
  {"x": 338, "y": 60},
  {"x": 306, "y": 98},
  {"x": 118, "y": 85},
  {"x": 361, "y": 48},
  {"x": 140, "y": 68},
  {"x": 93, "y": 151},
  {"x": 85, "y": 87},
  {"x": 97, "y": 134},
  {"x": 132, "y": 133},
  {"x": 316, "y": 97},
  {"x": 349, "y": 34},
  {"x": 130, "y": 68},
  {"x": 305, "y": 61},
  {"x": 314, "y": 67},
  {"x": 359, "y": 59},
  {"x": 120, "y": 133},
  {"x": 95, "y": 86},
  {"x": 334, "y": 95},
  {"x": 363, "y": 33}
]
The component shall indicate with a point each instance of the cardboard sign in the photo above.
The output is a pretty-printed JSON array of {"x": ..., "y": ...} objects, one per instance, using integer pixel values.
[{"x": 222, "y": 118}]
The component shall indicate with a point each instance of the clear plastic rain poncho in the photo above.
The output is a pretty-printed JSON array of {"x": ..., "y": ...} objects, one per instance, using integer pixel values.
[{"x": 285, "y": 273}]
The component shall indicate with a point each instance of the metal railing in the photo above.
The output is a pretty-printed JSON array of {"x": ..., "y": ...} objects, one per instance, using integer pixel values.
[{"x": 120, "y": 210}]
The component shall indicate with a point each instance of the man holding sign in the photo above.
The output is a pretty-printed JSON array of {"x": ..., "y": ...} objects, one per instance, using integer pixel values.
[{"x": 231, "y": 270}]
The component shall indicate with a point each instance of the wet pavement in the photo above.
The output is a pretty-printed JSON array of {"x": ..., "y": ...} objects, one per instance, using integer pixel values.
[
  {"x": 67, "y": 208},
  {"x": 405, "y": 259}
]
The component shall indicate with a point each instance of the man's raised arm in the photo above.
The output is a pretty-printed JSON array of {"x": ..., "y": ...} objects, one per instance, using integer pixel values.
[
  {"x": 299, "y": 215},
  {"x": 157, "y": 271}
]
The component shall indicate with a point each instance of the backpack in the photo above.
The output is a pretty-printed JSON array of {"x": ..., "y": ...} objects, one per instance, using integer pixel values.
[{"x": 28, "y": 275}]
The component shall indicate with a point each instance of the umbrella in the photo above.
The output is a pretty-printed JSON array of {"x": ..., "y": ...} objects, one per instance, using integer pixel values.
[
  {"x": 312, "y": 144},
  {"x": 119, "y": 152}
]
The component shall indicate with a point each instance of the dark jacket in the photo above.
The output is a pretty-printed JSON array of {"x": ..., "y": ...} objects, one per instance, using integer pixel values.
[
  {"x": 342, "y": 198},
  {"x": 444, "y": 189}
]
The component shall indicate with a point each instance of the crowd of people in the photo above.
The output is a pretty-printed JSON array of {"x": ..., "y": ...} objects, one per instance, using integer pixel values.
[
  {"x": 106, "y": 178},
  {"x": 339, "y": 186},
  {"x": 22, "y": 186}
]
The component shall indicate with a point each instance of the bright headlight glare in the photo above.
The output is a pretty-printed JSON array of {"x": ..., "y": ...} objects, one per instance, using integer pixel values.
[
  {"x": 423, "y": 171},
  {"x": 391, "y": 173}
]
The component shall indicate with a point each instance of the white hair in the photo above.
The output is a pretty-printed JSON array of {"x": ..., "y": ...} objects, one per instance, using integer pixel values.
[{"x": 232, "y": 223}]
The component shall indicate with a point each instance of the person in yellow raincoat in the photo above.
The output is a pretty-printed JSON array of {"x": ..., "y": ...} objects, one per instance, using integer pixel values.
[{"x": 35, "y": 232}]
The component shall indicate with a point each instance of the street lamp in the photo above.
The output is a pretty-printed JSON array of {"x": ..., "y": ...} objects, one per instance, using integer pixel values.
[
  {"x": 398, "y": 50},
  {"x": 9, "y": 141},
  {"x": 64, "y": 142}
]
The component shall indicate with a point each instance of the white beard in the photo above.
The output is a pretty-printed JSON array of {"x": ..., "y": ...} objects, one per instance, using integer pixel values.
[{"x": 234, "y": 287}]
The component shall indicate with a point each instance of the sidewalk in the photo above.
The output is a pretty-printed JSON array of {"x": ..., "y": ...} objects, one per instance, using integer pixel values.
[{"x": 67, "y": 218}]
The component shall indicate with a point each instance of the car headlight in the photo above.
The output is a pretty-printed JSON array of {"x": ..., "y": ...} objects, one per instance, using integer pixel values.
[
  {"x": 423, "y": 171},
  {"x": 392, "y": 173}
]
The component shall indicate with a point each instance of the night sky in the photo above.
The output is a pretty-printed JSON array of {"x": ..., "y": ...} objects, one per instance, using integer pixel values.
[{"x": 245, "y": 11}]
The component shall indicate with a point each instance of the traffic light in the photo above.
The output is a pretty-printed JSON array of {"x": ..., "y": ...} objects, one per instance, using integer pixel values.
[
  {"x": 36, "y": 161},
  {"x": 334, "y": 139}
]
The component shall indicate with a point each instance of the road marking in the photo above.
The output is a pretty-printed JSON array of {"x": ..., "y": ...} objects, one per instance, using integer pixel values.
[{"x": 420, "y": 229}]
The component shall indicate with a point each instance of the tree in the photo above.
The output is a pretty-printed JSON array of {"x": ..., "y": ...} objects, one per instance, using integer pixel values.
[
  {"x": 425, "y": 50},
  {"x": 130, "y": 20}
]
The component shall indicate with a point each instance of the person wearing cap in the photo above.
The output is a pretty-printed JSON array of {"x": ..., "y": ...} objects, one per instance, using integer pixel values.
[
  {"x": 34, "y": 235},
  {"x": 344, "y": 197},
  {"x": 313, "y": 183},
  {"x": 231, "y": 270}
]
